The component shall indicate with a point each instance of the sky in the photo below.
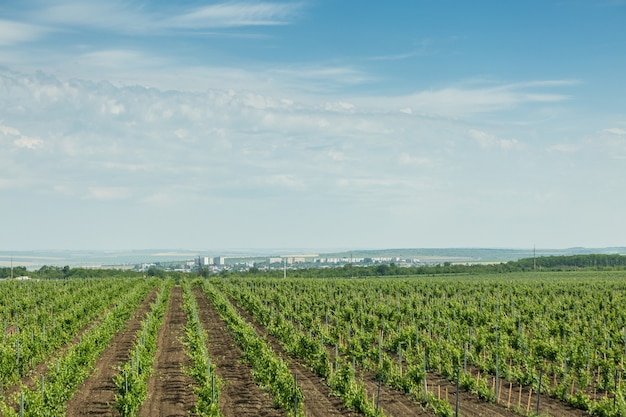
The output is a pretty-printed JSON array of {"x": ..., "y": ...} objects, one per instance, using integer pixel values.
[{"x": 312, "y": 124}]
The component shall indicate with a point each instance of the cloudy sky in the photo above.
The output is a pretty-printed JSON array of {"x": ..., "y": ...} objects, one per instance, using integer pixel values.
[{"x": 312, "y": 124}]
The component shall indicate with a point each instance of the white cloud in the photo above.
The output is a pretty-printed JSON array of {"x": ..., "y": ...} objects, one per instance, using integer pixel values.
[
  {"x": 336, "y": 155},
  {"x": 29, "y": 143},
  {"x": 109, "y": 193},
  {"x": 340, "y": 106},
  {"x": 314, "y": 77},
  {"x": 22, "y": 141},
  {"x": 283, "y": 180},
  {"x": 112, "y": 107},
  {"x": 460, "y": 101},
  {"x": 15, "y": 32},
  {"x": 565, "y": 147},
  {"x": 236, "y": 14},
  {"x": 8, "y": 130},
  {"x": 486, "y": 140},
  {"x": 615, "y": 131},
  {"x": 407, "y": 159},
  {"x": 125, "y": 17},
  {"x": 108, "y": 15}
]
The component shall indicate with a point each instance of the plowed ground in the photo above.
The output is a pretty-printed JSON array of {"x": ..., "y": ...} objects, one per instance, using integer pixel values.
[
  {"x": 392, "y": 402},
  {"x": 170, "y": 391},
  {"x": 319, "y": 401},
  {"x": 96, "y": 396},
  {"x": 240, "y": 397}
]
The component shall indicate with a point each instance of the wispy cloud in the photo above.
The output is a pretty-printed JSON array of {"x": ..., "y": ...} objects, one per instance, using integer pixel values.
[
  {"x": 408, "y": 159},
  {"x": 109, "y": 193},
  {"x": 114, "y": 15},
  {"x": 20, "y": 140},
  {"x": 462, "y": 101},
  {"x": 236, "y": 14},
  {"x": 129, "y": 17},
  {"x": 12, "y": 32},
  {"x": 418, "y": 51},
  {"x": 486, "y": 140},
  {"x": 565, "y": 147},
  {"x": 313, "y": 77},
  {"x": 615, "y": 131},
  {"x": 396, "y": 57}
]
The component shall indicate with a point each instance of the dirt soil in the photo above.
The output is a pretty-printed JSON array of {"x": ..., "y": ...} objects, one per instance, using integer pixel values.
[
  {"x": 96, "y": 396},
  {"x": 170, "y": 391},
  {"x": 319, "y": 401},
  {"x": 239, "y": 396},
  {"x": 392, "y": 402}
]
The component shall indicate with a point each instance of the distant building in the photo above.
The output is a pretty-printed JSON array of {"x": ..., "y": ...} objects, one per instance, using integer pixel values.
[{"x": 219, "y": 260}]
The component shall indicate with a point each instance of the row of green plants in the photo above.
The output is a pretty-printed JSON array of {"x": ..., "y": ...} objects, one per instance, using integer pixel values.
[
  {"x": 40, "y": 317},
  {"x": 569, "y": 326},
  {"x": 313, "y": 347},
  {"x": 202, "y": 370},
  {"x": 131, "y": 380},
  {"x": 67, "y": 372},
  {"x": 268, "y": 370},
  {"x": 340, "y": 375}
]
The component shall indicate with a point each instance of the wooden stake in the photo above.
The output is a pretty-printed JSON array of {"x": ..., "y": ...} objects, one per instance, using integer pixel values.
[
  {"x": 446, "y": 393},
  {"x": 519, "y": 398},
  {"x": 530, "y": 394},
  {"x": 438, "y": 391},
  {"x": 508, "y": 401},
  {"x": 499, "y": 390}
]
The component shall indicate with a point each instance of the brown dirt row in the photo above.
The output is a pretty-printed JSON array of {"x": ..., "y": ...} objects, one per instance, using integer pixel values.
[
  {"x": 392, "y": 402},
  {"x": 170, "y": 391},
  {"x": 319, "y": 401},
  {"x": 239, "y": 396},
  {"x": 96, "y": 396}
]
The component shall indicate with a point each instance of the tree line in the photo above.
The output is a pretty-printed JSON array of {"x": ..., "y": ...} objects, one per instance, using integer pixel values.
[{"x": 543, "y": 263}]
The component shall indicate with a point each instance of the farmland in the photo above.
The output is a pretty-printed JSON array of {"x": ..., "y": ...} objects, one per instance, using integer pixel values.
[{"x": 510, "y": 344}]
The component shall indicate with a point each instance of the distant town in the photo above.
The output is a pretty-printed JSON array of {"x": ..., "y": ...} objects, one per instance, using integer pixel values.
[
  {"x": 280, "y": 259},
  {"x": 302, "y": 261}
]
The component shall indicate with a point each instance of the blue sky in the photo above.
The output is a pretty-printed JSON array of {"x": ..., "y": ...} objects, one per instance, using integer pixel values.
[{"x": 312, "y": 124}]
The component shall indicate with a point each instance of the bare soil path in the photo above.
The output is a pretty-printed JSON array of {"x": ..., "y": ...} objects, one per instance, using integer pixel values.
[
  {"x": 319, "y": 401},
  {"x": 240, "y": 396},
  {"x": 392, "y": 402},
  {"x": 170, "y": 391},
  {"x": 96, "y": 396}
]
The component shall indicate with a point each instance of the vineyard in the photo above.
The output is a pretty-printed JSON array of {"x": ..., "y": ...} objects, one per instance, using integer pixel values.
[{"x": 514, "y": 344}]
